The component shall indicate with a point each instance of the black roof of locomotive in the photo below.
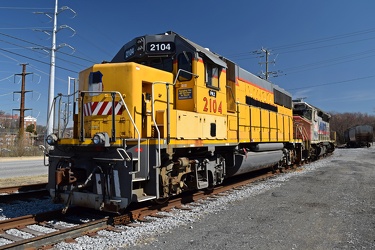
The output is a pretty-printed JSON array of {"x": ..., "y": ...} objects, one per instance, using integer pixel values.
[{"x": 182, "y": 42}]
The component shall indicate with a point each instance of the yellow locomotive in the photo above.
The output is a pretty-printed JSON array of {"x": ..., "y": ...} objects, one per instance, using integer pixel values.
[{"x": 164, "y": 116}]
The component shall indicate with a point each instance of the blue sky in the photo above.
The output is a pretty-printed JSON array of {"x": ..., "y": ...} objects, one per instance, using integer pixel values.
[{"x": 323, "y": 51}]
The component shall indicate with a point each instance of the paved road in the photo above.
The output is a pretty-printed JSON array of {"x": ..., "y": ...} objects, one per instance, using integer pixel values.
[{"x": 25, "y": 166}]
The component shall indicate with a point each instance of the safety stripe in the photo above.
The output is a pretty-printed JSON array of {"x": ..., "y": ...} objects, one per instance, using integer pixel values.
[{"x": 101, "y": 108}]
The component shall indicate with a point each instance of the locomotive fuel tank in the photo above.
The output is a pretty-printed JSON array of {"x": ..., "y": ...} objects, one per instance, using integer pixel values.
[{"x": 255, "y": 157}]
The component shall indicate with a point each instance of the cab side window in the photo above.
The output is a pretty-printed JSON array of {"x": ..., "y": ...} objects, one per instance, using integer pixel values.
[
  {"x": 185, "y": 63},
  {"x": 212, "y": 75}
]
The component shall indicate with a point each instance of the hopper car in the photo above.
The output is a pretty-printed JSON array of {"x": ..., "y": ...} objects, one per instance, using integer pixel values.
[{"x": 359, "y": 136}]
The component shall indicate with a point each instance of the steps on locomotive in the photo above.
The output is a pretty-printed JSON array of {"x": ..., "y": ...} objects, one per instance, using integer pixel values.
[
  {"x": 137, "y": 179},
  {"x": 202, "y": 184},
  {"x": 134, "y": 166},
  {"x": 141, "y": 196},
  {"x": 146, "y": 198},
  {"x": 138, "y": 173},
  {"x": 138, "y": 176}
]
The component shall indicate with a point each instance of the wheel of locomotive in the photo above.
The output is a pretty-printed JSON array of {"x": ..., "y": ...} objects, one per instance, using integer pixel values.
[
  {"x": 210, "y": 182},
  {"x": 276, "y": 168},
  {"x": 161, "y": 201}
]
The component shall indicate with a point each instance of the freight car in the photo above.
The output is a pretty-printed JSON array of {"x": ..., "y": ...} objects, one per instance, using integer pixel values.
[
  {"x": 166, "y": 115},
  {"x": 359, "y": 136}
]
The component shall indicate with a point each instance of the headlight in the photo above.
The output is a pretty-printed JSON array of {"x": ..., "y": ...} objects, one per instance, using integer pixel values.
[
  {"x": 52, "y": 139},
  {"x": 101, "y": 139},
  {"x": 98, "y": 139}
]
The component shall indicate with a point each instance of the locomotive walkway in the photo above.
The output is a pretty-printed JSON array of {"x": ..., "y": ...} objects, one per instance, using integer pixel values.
[{"x": 330, "y": 207}]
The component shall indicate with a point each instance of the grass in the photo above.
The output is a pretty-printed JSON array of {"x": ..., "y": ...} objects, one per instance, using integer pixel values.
[{"x": 23, "y": 180}]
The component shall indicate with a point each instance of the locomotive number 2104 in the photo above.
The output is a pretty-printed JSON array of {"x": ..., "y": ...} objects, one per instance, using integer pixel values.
[{"x": 212, "y": 106}]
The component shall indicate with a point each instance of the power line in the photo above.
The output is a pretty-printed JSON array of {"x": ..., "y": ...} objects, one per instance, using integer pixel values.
[
  {"x": 30, "y": 58},
  {"x": 32, "y": 66},
  {"x": 24, "y": 28},
  {"x": 337, "y": 82},
  {"x": 25, "y": 8},
  {"x": 42, "y": 47},
  {"x": 326, "y": 39},
  {"x": 310, "y": 42},
  {"x": 337, "y": 59},
  {"x": 319, "y": 63}
]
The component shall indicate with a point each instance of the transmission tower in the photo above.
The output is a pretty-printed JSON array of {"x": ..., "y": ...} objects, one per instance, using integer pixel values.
[
  {"x": 22, "y": 108},
  {"x": 54, "y": 48},
  {"x": 266, "y": 53}
]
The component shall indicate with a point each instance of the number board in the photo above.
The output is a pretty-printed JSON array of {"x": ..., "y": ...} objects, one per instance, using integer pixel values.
[
  {"x": 160, "y": 47},
  {"x": 129, "y": 52}
]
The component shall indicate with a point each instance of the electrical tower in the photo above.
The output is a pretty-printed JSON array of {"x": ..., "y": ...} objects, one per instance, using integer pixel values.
[
  {"x": 54, "y": 48},
  {"x": 266, "y": 53},
  {"x": 22, "y": 108}
]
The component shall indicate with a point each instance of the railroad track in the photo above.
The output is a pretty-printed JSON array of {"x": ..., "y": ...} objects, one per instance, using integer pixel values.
[
  {"x": 59, "y": 225},
  {"x": 23, "y": 188},
  {"x": 23, "y": 225},
  {"x": 184, "y": 199},
  {"x": 104, "y": 221},
  {"x": 11, "y": 194}
]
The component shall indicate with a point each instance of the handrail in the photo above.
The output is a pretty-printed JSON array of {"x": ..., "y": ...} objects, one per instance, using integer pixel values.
[
  {"x": 60, "y": 131},
  {"x": 113, "y": 93},
  {"x": 167, "y": 84},
  {"x": 114, "y": 159},
  {"x": 154, "y": 121},
  {"x": 300, "y": 130}
]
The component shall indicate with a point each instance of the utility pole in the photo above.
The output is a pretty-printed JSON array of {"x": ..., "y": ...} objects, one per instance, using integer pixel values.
[
  {"x": 51, "y": 88},
  {"x": 54, "y": 48},
  {"x": 22, "y": 108},
  {"x": 267, "y": 53}
]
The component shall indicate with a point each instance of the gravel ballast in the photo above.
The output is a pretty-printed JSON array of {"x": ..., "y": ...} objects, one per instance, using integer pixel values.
[{"x": 329, "y": 204}]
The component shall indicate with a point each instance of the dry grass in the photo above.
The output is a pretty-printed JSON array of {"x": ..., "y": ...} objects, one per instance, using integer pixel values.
[{"x": 22, "y": 180}]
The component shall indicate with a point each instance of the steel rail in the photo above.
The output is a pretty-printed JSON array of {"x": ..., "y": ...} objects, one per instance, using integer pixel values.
[
  {"x": 58, "y": 236},
  {"x": 23, "y": 188},
  {"x": 48, "y": 238}
]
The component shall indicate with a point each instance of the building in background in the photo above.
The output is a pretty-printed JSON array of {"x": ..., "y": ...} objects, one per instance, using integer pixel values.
[
  {"x": 8, "y": 121},
  {"x": 9, "y": 130},
  {"x": 29, "y": 120}
]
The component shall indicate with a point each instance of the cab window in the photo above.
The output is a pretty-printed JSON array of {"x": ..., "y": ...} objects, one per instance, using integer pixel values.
[
  {"x": 165, "y": 64},
  {"x": 185, "y": 63},
  {"x": 212, "y": 75}
]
